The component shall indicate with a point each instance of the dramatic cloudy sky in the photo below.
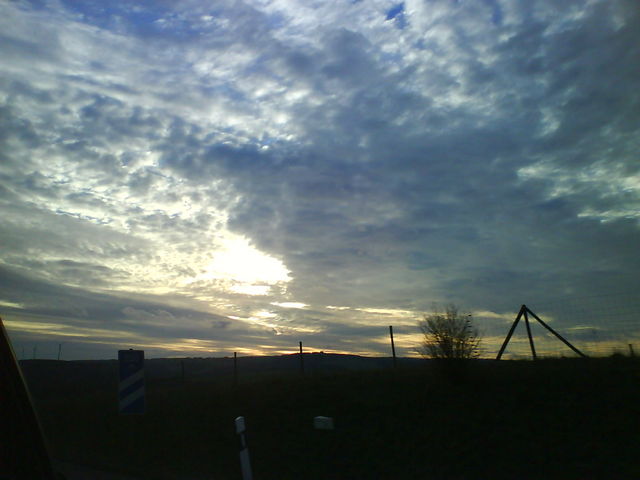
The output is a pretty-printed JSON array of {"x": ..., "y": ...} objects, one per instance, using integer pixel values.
[{"x": 197, "y": 178}]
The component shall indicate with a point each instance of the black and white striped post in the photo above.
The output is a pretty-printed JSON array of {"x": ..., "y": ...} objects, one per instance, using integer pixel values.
[
  {"x": 245, "y": 462},
  {"x": 131, "y": 388}
]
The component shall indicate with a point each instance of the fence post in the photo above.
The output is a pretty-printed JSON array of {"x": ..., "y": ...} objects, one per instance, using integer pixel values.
[
  {"x": 301, "y": 361},
  {"x": 393, "y": 346},
  {"x": 235, "y": 369}
]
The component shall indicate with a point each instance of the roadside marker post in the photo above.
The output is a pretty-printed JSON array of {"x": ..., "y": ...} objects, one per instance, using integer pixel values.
[
  {"x": 245, "y": 462},
  {"x": 323, "y": 423},
  {"x": 324, "y": 445},
  {"x": 131, "y": 399}
]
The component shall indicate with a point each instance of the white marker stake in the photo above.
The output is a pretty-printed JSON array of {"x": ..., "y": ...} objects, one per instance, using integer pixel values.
[
  {"x": 323, "y": 423},
  {"x": 245, "y": 463}
]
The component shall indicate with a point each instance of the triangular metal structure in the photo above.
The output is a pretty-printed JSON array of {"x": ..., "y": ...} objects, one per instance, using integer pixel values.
[{"x": 525, "y": 312}]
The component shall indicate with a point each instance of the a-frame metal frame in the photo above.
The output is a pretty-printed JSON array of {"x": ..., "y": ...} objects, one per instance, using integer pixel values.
[{"x": 525, "y": 312}]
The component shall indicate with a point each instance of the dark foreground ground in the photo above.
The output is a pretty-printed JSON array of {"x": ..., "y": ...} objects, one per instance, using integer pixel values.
[{"x": 564, "y": 419}]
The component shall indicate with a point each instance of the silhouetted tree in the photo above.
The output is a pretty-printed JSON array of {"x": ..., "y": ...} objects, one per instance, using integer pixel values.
[{"x": 449, "y": 335}]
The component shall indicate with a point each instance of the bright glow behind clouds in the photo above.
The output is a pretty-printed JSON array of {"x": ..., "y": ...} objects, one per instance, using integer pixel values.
[{"x": 250, "y": 270}]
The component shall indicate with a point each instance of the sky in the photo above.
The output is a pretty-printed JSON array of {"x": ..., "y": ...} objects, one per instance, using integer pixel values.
[{"x": 200, "y": 178}]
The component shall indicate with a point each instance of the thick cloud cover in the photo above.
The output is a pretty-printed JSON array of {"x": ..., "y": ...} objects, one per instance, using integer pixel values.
[{"x": 199, "y": 179}]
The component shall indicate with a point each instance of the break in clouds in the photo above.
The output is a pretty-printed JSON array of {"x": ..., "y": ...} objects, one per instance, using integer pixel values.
[{"x": 198, "y": 178}]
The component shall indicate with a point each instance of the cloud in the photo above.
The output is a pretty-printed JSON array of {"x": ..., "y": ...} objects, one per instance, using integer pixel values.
[{"x": 243, "y": 157}]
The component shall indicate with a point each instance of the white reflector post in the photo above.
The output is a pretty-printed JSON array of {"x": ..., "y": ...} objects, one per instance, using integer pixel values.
[
  {"x": 240, "y": 426},
  {"x": 323, "y": 423},
  {"x": 245, "y": 462}
]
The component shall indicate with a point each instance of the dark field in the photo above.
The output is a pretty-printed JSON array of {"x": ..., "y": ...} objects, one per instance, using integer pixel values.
[{"x": 565, "y": 419}]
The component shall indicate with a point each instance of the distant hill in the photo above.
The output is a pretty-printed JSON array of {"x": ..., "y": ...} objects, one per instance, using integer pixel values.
[{"x": 43, "y": 375}]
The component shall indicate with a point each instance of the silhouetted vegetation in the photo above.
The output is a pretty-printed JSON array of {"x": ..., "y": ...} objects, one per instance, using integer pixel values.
[{"x": 449, "y": 335}]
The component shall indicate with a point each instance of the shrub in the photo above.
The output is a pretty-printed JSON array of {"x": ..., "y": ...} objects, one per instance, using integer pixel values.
[{"x": 449, "y": 335}]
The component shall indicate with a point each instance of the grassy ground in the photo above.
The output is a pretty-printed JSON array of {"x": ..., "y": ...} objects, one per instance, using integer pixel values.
[{"x": 565, "y": 419}]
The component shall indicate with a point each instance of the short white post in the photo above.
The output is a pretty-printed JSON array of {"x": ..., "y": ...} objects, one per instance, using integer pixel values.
[
  {"x": 245, "y": 463},
  {"x": 323, "y": 423}
]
